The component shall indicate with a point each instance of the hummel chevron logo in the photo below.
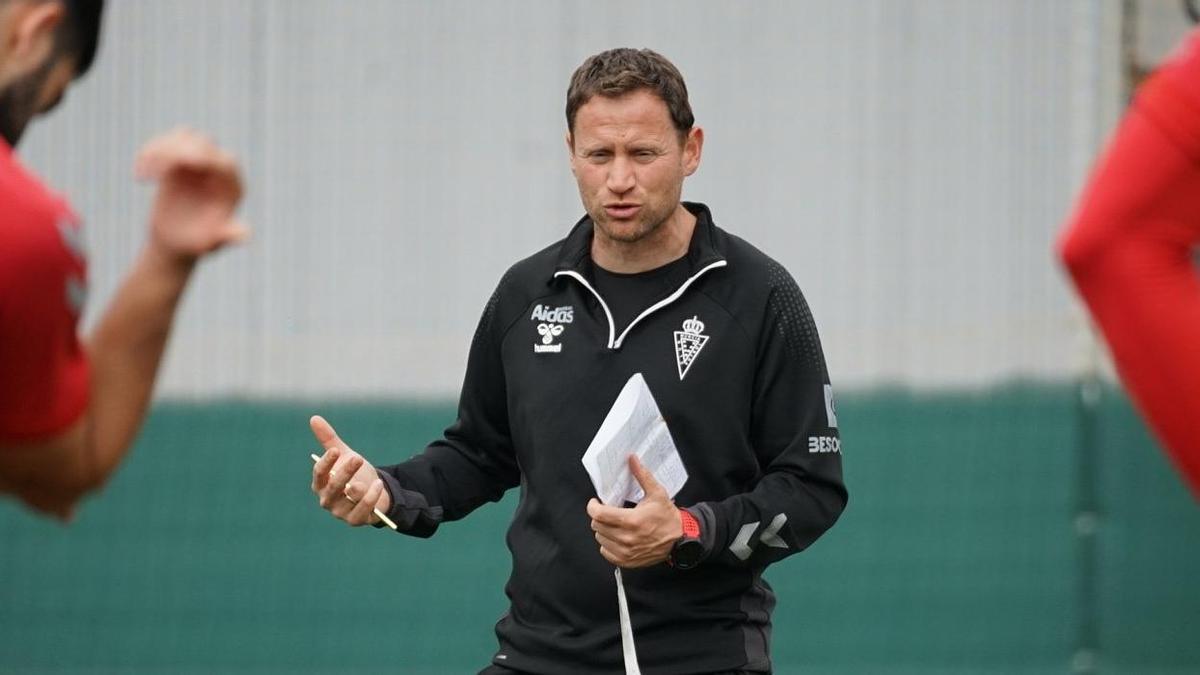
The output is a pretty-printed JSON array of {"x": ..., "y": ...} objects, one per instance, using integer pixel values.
[
  {"x": 743, "y": 548},
  {"x": 688, "y": 343}
]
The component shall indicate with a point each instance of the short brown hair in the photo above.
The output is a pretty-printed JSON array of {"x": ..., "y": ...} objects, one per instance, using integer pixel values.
[{"x": 619, "y": 71}]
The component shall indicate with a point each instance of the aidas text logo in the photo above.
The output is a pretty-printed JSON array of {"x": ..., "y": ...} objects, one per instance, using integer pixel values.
[{"x": 552, "y": 323}]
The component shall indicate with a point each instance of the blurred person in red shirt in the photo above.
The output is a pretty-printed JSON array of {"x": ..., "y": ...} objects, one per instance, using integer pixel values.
[
  {"x": 1129, "y": 249},
  {"x": 71, "y": 406}
]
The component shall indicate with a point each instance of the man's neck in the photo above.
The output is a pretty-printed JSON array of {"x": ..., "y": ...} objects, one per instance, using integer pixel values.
[{"x": 669, "y": 242}]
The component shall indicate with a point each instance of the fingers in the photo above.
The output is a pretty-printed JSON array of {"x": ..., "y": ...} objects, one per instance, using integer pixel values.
[
  {"x": 321, "y": 469},
  {"x": 339, "y": 478},
  {"x": 341, "y": 474},
  {"x": 610, "y": 557},
  {"x": 346, "y": 485},
  {"x": 624, "y": 555},
  {"x": 615, "y": 530},
  {"x": 645, "y": 478},
  {"x": 611, "y": 551},
  {"x": 184, "y": 148},
  {"x": 324, "y": 433},
  {"x": 605, "y": 528},
  {"x": 232, "y": 233},
  {"x": 606, "y": 515},
  {"x": 235, "y": 232},
  {"x": 364, "y": 503},
  {"x": 613, "y": 539}
]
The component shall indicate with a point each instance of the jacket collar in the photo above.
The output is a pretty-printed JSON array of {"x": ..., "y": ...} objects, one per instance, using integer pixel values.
[{"x": 704, "y": 249}]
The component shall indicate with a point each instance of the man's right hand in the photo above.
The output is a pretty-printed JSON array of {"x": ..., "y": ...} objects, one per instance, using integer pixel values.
[
  {"x": 346, "y": 485},
  {"x": 199, "y": 188}
]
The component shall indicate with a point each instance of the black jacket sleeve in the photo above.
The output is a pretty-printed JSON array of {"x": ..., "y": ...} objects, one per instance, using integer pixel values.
[
  {"x": 474, "y": 462},
  {"x": 799, "y": 493}
]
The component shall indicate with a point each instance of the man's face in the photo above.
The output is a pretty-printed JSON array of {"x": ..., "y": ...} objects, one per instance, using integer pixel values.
[
  {"x": 32, "y": 95},
  {"x": 630, "y": 163}
]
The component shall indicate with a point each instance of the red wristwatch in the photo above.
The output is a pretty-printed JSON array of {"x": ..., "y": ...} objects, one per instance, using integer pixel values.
[
  {"x": 688, "y": 549},
  {"x": 691, "y": 526}
]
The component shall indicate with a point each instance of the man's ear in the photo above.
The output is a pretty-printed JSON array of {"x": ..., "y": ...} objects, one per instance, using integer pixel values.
[
  {"x": 693, "y": 147},
  {"x": 29, "y": 35},
  {"x": 570, "y": 149}
]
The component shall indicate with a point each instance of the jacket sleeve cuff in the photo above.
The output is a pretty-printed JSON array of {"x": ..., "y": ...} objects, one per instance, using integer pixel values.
[
  {"x": 408, "y": 507},
  {"x": 704, "y": 515}
]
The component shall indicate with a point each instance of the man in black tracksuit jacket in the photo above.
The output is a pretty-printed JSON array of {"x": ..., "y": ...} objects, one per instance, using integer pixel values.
[{"x": 727, "y": 346}]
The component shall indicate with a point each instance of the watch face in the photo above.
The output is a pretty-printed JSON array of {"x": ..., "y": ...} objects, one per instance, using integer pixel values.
[{"x": 686, "y": 554}]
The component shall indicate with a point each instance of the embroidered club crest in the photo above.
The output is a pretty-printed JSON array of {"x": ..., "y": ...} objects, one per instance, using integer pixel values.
[{"x": 688, "y": 343}]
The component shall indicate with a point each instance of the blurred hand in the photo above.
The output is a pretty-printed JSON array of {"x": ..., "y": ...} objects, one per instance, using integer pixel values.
[
  {"x": 199, "y": 187},
  {"x": 346, "y": 485},
  {"x": 641, "y": 536}
]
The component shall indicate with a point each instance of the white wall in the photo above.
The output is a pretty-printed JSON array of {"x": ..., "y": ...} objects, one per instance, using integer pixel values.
[{"x": 909, "y": 162}]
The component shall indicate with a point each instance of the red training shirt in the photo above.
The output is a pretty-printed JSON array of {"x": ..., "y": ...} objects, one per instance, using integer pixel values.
[
  {"x": 43, "y": 284},
  {"x": 1129, "y": 248}
]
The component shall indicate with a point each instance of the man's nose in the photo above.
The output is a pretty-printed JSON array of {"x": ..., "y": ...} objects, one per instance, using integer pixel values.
[{"x": 621, "y": 178}]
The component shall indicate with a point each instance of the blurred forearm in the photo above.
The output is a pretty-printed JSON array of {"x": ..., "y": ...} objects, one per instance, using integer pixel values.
[{"x": 126, "y": 350}]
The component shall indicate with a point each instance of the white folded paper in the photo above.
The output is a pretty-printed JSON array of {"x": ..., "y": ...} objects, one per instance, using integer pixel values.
[{"x": 633, "y": 426}]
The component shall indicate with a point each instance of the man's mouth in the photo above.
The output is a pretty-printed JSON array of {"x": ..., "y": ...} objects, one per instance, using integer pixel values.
[{"x": 621, "y": 210}]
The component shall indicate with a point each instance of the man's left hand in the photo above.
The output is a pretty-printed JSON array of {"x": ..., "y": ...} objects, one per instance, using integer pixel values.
[{"x": 641, "y": 536}]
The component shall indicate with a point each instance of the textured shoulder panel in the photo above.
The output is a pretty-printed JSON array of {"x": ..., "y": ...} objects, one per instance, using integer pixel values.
[
  {"x": 524, "y": 281},
  {"x": 793, "y": 317}
]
